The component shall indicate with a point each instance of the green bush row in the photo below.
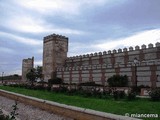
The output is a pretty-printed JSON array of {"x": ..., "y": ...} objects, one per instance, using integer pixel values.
[{"x": 155, "y": 94}]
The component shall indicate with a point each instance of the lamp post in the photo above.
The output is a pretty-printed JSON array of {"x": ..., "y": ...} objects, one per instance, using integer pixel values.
[
  {"x": 135, "y": 64},
  {"x": 2, "y": 77}
]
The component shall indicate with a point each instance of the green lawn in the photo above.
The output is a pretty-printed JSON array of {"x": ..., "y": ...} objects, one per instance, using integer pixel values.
[{"x": 106, "y": 105}]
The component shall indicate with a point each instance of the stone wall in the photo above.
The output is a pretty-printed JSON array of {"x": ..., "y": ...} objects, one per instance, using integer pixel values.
[
  {"x": 55, "y": 49},
  {"x": 100, "y": 66},
  {"x": 117, "y": 56},
  {"x": 27, "y": 64}
]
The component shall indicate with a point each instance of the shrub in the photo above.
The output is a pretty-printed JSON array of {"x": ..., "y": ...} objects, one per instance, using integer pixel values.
[
  {"x": 115, "y": 95},
  {"x": 48, "y": 88},
  {"x": 118, "y": 94},
  {"x": 87, "y": 93},
  {"x": 31, "y": 76},
  {"x": 137, "y": 89},
  {"x": 96, "y": 92},
  {"x": 131, "y": 96},
  {"x": 122, "y": 94},
  {"x": 56, "y": 89},
  {"x": 71, "y": 91},
  {"x": 107, "y": 91},
  {"x": 2, "y": 116},
  {"x": 55, "y": 81},
  {"x": 39, "y": 87},
  {"x": 63, "y": 89},
  {"x": 155, "y": 94},
  {"x": 12, "y": 115},
  {"x": 118, "y": 81},
  {"x": 89, "y": 84}
]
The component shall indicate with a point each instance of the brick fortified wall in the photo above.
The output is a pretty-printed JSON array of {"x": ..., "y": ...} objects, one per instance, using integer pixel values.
[{"x": 100, "y": 66}]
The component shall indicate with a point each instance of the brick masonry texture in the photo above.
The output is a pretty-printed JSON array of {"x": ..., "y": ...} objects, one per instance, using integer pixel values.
[{"x": 100, "y": 66}]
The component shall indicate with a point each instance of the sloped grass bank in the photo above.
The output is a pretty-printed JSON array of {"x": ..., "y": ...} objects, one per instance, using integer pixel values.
[{"x": 106, "y": 105}]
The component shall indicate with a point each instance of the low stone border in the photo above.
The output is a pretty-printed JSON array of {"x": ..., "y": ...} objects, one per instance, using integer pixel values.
[{"x": 64, "y": 110}]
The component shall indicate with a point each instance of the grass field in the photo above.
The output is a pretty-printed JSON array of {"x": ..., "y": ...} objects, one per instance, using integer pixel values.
[{"x": 140, "y": 106}]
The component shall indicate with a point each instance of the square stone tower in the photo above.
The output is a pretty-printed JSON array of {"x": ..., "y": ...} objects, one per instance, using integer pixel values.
[
  {"x": 27, "y": 64},
  {"x": 55, "y": 48}
]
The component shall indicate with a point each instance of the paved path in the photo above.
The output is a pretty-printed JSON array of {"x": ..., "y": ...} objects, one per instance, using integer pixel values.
[{"x": 27, "y": 112}]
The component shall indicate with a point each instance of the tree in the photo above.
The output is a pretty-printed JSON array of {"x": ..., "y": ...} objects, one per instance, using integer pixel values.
[
  {"x": 31, "y": 76},
  {"x": 34, "y": 74},
  {"x": 39, "y": 72}
]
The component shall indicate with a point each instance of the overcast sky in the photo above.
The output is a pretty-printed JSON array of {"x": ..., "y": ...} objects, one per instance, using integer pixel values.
[{"x": 91, "y": 25}]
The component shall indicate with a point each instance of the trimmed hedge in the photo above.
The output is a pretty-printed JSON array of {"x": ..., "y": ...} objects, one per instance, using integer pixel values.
[
  {"x": 118, "y": 81},
  {"x": 155, "y": 94},
  {"x": 55, "y": 81}
]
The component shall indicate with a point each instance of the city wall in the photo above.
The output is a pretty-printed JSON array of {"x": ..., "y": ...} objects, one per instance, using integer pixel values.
[{"x": 98, "y": 67}]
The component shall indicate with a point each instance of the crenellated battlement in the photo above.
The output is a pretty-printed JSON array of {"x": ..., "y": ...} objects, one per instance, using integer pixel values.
[
  {"x": 123, "y": 56},
  {"x": 55, "y": 36},
  {"x": 100, "y": 66},
  {"x": 130, "y": 49}
]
